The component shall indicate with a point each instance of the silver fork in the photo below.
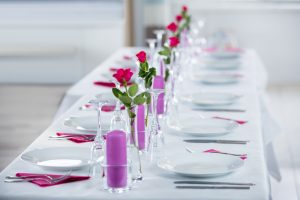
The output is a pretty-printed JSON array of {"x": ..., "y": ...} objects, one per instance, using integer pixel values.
[
  {"x": 47, "y": 178},
  {"x": 87, "y": 137}
]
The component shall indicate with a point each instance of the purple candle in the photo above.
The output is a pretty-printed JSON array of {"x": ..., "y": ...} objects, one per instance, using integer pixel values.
[
  {"x": 141, "y": 126},
  {"x": 162, "y": 68},
  {"x": 159, "y": 83},
  {"x": 116, "y": 159}
]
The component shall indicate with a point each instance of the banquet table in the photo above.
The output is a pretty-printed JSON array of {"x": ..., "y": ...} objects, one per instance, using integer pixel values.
[{"x": 158, "y": 184}]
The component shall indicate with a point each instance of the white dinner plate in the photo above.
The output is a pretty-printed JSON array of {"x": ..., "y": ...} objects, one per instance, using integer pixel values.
[
  {"x": 87, "y": 123},
  {"x": 226, "y": 54},
  {"x": 216, "y": 79},
  {"x": 206, "y": 127},
  {"x": 222, "y": 64},
  {"x": 201, "y": 165},
  {"x": 207, "y": 99},
  {"x": 59, "y": 158}
]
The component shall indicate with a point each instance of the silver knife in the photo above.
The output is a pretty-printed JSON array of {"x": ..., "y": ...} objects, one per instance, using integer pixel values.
[
  {"x": 219, "y": 110},
  {"x": 217, "y": 141},
  {"x": 212, "y": 183},
  {"x": 214, "y": 187}
]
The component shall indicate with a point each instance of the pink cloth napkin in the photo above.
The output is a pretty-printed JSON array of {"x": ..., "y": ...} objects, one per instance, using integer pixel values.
[
  {"x": 237, "y": 121},
  {"x": 107, "y": 84},
  {"x": 105, "y": 108},
  {"x": 127, "y": 57},
  {"x": 77, "y": 138},
  {"x": 43, "y": 183},
  {"x": 242, "y": 156},
  {"x": 114, "y": 69}
]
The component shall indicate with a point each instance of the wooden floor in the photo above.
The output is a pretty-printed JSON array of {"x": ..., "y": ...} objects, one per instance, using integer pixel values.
[
  {"x": 25, "y": 111},
  {"x": 285, "y": 105}
]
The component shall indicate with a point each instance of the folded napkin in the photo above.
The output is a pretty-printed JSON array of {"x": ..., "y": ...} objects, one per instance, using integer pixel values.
[
  {"x": 108, "y": 84},
  {"x": 78, "y": 138},
  {"x": 113, "y": 69},
  {"x": 127, "y": 57},
  {"x": 242, "y": 156},
  {"x": 43, "y": 183},
  {"x": 105, "y": 108},
  {"x": 237, "y": 121}
]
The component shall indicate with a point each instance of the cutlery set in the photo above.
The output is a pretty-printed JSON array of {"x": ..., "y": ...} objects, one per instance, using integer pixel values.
[
  {"x": 219, "y": 110},
  {"x": 43, "y": 177},
  {"x": 67, "y": 137},
  {"x": 188, "y": 184},
  {"x": 216, "y": 141}
]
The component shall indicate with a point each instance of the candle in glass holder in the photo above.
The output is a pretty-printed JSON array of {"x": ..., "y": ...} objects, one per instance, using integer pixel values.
[{"x": 116, "y": 159}]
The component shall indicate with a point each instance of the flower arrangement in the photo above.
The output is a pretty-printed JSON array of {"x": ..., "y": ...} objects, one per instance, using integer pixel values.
[
  {"x": 129, "y": 96},
  {"x": 185, "y": 19},
  {"x": 182, "y": 23},
  {"x": 146, "y": 73}
]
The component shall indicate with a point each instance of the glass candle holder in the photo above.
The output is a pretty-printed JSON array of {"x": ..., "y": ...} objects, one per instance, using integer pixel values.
[{"x": 117, "y": 178}]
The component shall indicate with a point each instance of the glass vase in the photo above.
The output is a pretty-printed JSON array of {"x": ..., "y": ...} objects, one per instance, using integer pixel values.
[{"x": 133, "y": 149}]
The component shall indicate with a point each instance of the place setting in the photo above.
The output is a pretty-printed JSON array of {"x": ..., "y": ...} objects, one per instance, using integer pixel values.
[
  {"x": 217, "y": 78},
  {"x": 61, "y": 163},
  {"x": 213, "y": 101},
  {"x": 201, "y": 170}
]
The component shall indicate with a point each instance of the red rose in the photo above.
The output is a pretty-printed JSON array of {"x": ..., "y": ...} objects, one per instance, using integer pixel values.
[
  {"x": 141, "y": 56},
  {"x": 184, "y": 8},
  {"x": 178, "y": 18},
  {"x": 173, "y": 41},
  {"x": 123, "y": 75},
  {"x": 172, "y": 27}
]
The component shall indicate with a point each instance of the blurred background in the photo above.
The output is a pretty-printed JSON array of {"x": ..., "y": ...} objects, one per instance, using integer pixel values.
[
  {"x": 48, "y": 45},
  {"x": 59, "y": 41}
]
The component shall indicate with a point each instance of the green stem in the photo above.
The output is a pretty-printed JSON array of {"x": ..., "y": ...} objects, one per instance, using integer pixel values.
[{"x": 147, "y": 114}]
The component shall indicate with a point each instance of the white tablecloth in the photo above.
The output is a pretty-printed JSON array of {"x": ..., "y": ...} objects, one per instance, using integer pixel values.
[{"x": 158, "y": 185}]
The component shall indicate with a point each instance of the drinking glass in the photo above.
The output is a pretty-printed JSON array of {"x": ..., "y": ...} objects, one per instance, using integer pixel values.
[
  {"x": 97, "y": 145},
  {"x": 159, "y": 35},
  {"x": 155, "y": 135}
]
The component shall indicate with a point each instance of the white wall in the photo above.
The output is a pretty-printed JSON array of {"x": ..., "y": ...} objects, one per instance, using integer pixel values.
[
  {"x": 272, "y": 29},
  {"x": 56, "y": 42}
]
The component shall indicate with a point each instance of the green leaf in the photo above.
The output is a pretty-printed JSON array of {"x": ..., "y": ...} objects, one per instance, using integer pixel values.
[
  {"x": 164, "y": 53},
  {"x": 142, "y": 73},
  {"x": 144, "y": 66},
  {"x": 152, "y": 71},
  {"x": 125, "y": 100},
  {"x": 117, "y": 93},
  {"x": 167, "y": 74},
  {"x": 167, "y": 60},
  {"x": 140, "y": 99},
  {"x": 133, "y": 89}
]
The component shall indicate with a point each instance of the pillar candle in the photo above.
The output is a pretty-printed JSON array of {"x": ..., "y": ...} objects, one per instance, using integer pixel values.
[
  {"x": 159, "y": 83},
  {"x": 116, "y": 159},
  {"x": 141, "y": 126}
]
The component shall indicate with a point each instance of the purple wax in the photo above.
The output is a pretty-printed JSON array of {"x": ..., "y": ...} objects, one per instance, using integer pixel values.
[
  {"x": 161, "y": 68},
  {"x": 116, "y": 159},
  {"x": 141, "y": 126},
  {"x": 159, "y": 83}
]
